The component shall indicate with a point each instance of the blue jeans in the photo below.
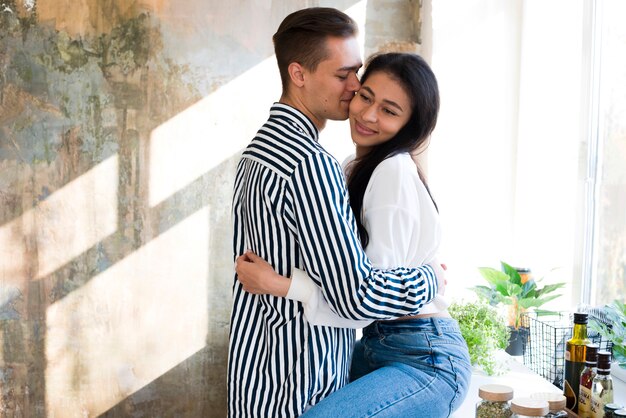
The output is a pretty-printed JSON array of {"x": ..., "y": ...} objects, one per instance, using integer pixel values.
[{"x": 407, "y": 368}]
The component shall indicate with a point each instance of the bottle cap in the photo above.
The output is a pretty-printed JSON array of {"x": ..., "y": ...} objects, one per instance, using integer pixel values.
[
  {"x": 580, "y": 318},
  {"x": 496, "y": 393},
  {"x": 556, "y": 401},
  {"x": 530, "y": 407},
  {"x": 604, "y": 360},
  {"x": 591, "y": 355}
]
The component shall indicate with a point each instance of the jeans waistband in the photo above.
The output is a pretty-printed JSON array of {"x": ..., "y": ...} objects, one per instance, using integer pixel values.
[{"x": 434, "y": 325}]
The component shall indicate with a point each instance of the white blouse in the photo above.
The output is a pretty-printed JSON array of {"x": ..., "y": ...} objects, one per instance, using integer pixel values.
[{"x": 404, "y": 231}]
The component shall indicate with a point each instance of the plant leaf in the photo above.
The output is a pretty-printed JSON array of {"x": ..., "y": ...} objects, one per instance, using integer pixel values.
[
  {"x": 528, "y": 289},
  {"x": 512, "y": 273},
  {"x": 616, "y": 332},
  {"x": 493, "y": 276},
  {"x": 536, "y": 302},
  {"x": 549, "y": 288}
]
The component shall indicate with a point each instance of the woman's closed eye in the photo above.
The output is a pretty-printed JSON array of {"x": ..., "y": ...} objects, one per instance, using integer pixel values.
[
  {"x": 389, "y": 111},
  {"x": 365, "y": 97}
]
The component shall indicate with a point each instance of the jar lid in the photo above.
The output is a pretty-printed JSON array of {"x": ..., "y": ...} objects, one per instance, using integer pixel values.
[
  {"x": 556, "y": 401},
  {"x": 612, "y": 407},
  {"x": 619, "y": 413},
  {"x": 529, "y": 406},
  {"x": 497, "y": 393}
]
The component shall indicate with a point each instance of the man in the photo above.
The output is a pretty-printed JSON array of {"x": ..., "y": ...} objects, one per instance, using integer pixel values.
[{"x": 291, "y": 207}]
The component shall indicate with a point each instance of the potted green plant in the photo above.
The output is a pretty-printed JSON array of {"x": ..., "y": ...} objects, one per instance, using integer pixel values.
[
  {"x": 615, "y": 332},
  {"x": 508, "y": 287},
  {"x": 484, "y": 332}
]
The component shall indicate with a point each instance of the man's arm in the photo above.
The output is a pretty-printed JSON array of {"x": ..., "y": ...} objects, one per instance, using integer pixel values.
[{"x": 319, "y": 213}]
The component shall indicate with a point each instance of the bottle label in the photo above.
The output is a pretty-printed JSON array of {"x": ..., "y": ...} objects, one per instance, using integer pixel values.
[
  {"x": 584, "y": 402},
  {"x": 596, "y": 408}
]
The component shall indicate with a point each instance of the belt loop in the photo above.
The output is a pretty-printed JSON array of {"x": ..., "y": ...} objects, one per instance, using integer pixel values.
[
  {"x": 377, "y": 328},
  {"x": 437, "y": 326}
]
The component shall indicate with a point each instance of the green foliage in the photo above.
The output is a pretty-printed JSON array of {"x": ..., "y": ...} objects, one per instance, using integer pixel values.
[
  {"x": 507, "y": 287},
  {"x": 616, "y": 332},
  {"x": 483, "y": 330}
]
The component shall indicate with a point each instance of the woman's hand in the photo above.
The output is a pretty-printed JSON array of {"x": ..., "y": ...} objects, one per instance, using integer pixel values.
[{"x": 258, "y": 277}]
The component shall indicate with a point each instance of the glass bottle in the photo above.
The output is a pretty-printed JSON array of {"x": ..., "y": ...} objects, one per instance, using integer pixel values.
[
  {"x": 556, "y": 403},
  {"x": 495, "y": 401},
  {"x": 529, "y": 407},
  {"x": 586, "y": 379},
  {"x": 575, "y": 351},
  {"x": 602, "y": 387}
]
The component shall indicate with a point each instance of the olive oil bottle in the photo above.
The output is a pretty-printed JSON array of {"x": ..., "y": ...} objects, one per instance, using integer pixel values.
[{"x": 575, "y": 356}]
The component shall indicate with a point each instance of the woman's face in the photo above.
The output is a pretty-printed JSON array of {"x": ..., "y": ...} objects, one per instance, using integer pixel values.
[{"x": 379, "y": 110}]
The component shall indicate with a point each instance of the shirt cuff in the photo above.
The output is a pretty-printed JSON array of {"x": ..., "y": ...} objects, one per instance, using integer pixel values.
[
  {"x": 439, "y": 282},
  {"x": 301, "y": 287}
]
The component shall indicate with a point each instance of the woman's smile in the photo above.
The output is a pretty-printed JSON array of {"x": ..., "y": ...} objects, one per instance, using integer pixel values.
[{"x": 362, "y": 129}]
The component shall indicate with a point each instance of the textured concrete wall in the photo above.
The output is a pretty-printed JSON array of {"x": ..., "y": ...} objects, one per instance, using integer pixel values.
[
  {"x": 393, "y": 25},
  {"x": 121, "y": 123}
]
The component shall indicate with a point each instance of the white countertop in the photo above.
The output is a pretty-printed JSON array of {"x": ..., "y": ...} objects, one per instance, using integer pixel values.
[{"x": 523, "y": 381}]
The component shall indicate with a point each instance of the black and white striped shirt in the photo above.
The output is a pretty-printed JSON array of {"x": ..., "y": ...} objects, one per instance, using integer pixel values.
[{"x": 291, "y": 207}]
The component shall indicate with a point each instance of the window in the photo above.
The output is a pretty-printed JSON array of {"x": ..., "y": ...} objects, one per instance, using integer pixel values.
[
  {"x": 528, "y": 161},
  {"x": 605, "y": 250}
]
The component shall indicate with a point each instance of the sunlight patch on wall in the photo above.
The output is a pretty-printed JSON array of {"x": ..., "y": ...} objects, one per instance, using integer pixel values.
[
  {"x": 76, "y": 217},
  {"x": 201, "y": 137},
  {"x": 64, "y": 224},
  {"x": 130, "y": 324}
]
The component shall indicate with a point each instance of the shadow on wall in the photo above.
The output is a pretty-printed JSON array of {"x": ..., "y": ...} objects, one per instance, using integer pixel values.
[{"x": 120, "y": 132}]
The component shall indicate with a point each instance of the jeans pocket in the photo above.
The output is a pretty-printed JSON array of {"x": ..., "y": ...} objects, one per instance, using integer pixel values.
[
  {"x": 415, "y": 343},
  {"x": 408, "y": 348}
]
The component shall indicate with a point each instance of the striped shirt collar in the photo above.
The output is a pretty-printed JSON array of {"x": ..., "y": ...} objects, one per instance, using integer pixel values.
[{"x": 296, "y": 118}]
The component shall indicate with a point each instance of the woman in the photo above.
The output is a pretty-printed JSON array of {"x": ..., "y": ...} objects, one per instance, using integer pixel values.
[{"x": 411, "y": 366}]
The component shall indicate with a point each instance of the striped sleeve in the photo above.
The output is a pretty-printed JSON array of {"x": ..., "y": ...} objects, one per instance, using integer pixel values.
[{"x": 318, "y": 209}]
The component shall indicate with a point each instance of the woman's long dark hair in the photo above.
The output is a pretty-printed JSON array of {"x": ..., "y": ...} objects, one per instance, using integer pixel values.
[{"x": 420, "y": 84}]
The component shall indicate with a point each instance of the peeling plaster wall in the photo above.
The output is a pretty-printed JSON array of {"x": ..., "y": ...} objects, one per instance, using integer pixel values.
[{"x": 121, "y": 123}]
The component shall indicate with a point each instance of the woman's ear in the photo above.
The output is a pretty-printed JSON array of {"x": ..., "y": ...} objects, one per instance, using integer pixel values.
[{"x": 296, "y": 73}]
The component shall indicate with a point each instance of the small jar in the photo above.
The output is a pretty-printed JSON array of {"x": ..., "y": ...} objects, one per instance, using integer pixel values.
[
  {"x": 525, "y": 274},
  {"x": 610, "y": 408},
  {"x": 556, "y": 403},
  {"x": 529, "y": 407},
  {"x": 495, "y": 401},
  {"x": 620, "y": 413}
]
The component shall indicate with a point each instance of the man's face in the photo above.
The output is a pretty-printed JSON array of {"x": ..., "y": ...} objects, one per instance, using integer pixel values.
[{"x": 331, "y": 87}]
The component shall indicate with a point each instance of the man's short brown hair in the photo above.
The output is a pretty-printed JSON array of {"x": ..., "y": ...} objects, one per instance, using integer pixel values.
[{"x": 301, "y": 37}]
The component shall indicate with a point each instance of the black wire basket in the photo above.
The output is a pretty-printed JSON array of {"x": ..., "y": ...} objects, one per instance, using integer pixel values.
[{"x": 544, "y": 351}]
